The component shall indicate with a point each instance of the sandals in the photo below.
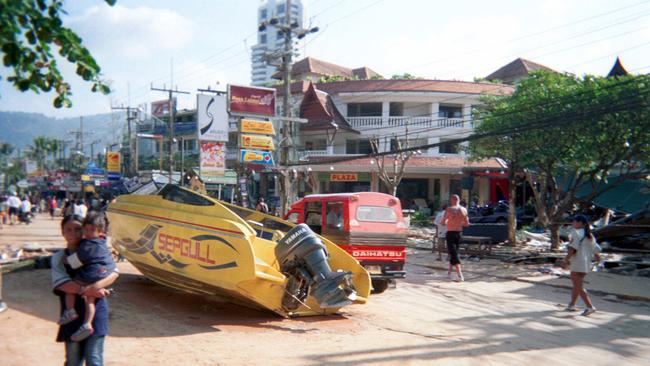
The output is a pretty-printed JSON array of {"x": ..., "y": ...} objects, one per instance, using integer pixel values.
[
  {"x": 82, "y": 333},
  {"x": 68, "y": 316}
]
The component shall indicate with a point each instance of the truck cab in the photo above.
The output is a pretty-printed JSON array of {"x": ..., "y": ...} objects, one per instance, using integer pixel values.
[{"x": 368, "y": 225}]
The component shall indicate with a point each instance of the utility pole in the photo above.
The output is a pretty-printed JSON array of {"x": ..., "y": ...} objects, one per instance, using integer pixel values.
[
  {"x": 171, "y": 93},
  {"x": 129, "y": 117},
  {"x": 290, "y": 29}
]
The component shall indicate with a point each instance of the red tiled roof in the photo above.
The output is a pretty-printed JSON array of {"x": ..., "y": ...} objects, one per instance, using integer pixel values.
[
  {"x": 310, "y": 65},
  {"x": 419, "y": 162},
  {"x": 516, "y": 70},
  {"x": 318, "y": 107},
  {"x": 443, "y": 86}
]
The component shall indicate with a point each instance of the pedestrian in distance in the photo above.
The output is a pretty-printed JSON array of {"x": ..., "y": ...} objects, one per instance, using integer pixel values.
[
  {"x": 14, "y": 207},
  {"x": 440, "y": 240},
  {"x": 90, "y": 350},
  {"x": 583, "y": 248},
  {"x": 51, "y": 206},
  {"x": 79, "y": 209},
  {"x": 456, "y": 219},
  {"x": 262, "y": 206},
  {"x": 3, "y": 210},
  {"x": 25, "y": 210}
]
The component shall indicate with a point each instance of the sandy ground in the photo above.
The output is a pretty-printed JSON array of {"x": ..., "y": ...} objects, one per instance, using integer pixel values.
[{"x": 425, "y": 320}]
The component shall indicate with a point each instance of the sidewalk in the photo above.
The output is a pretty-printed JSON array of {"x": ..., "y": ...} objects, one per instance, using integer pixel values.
[{"x": 600, "y": 283}]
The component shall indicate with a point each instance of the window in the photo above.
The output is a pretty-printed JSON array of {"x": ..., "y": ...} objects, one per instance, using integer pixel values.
[
  {"x": 360, "y": 146},
  {"x": 364, "y": 109},
  {"x": 396, "y": 109},
  {"x": 334, "y": 217},
  {"x": 278, "y": 35},
  {"x": 190, "y": 145},
  {"x": 263, "y": 38},
  {"x": 376, "y": 214},
  {"x": 281, "y": 8},
  {"x": 449, "y": 148},
  {"x": 446, "y": 111},
  {"x": 263, "y": 14},
  {"x": 316, "y": 145},
  {"x": 313, "y": 216}
]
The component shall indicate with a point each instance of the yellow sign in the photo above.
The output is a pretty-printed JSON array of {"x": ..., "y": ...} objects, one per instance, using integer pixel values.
[
  {"x": 113, "y": 161},
  {"x": 249, "y": 156},
  {"x": 344, "y": 177},
  {"x": 257, "y": 142},
  {"x": 261, "y": 127},
  {"x": 85, "y": 178}
]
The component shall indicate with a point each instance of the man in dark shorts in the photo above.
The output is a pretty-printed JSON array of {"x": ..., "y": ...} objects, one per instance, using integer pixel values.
[{"x": 456, "y": 219}]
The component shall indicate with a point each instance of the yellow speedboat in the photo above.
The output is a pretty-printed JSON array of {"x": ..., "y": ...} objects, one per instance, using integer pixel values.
[{"x": 192, "y": 242}]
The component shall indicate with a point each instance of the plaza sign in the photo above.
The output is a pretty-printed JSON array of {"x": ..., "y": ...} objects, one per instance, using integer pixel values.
[{"x": 258, "y": 127}]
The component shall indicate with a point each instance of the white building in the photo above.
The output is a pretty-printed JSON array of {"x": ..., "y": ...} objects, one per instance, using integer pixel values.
[{"x": 269, "y": 39}]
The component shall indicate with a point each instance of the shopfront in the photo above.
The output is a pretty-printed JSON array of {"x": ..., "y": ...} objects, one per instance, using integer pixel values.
[{"x": 343, "y": 182}]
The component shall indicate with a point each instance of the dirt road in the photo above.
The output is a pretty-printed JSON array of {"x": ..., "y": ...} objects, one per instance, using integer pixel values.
[{"x": 425, "y": 320}]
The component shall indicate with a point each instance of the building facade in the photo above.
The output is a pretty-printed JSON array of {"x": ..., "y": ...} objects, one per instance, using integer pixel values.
[{"x": 269, "y": 40}]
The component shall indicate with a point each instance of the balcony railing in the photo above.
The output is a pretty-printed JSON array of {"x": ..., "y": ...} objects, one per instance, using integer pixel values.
[
  {"x": 308, "y": 153},
  {"x": 427, "y": 121}
]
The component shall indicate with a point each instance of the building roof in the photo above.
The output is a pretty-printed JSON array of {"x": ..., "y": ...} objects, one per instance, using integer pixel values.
[
  {"x": 516, "y": 70},
  {"x": 318, "y": 107},
  {"x": 422, "y": 164},
  {"x": 310, "y": 65},
  {"x": 419, "y": 85},
  {"x": 617, "y": 69}
]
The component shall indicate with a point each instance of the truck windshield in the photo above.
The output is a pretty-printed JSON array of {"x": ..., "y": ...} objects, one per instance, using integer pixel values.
[{"x": 376, "y": 214}]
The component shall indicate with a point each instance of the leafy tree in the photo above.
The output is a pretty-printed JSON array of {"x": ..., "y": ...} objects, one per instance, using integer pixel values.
[
  {"x": 404, "y": 76},
  {"x": 32, "y": 30},
  {"x": 565, "y": 133},
  {"x": 39, "y": 150}
]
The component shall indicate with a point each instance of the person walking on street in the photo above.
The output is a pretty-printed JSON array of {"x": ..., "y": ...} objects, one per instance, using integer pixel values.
[
  {"x": 262, "y": 206},
  {"x": 25, "y": 210},
  {"x": 441, "y": 233},
  {"x": 51, "y": 206},
  {"x": 456, "y": 219},
  {"x": 582, "y": 250},
  {"x": 80, "y": 209},
  {"x": 14, "y": 207}
]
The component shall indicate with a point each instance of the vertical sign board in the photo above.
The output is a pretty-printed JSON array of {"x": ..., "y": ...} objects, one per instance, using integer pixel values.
[
  {"x": 247, "y": 100},
  {"x": 113, "y": 165},
  {"x": 213, "y": 159},
  {"x": 212, "y": 115}
]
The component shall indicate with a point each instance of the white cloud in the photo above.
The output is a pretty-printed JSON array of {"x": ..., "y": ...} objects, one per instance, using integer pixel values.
[{"x": 133, "y": 33}]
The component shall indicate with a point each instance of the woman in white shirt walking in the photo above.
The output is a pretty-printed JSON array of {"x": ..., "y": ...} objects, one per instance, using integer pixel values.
[{"x": 582, "y": 250}]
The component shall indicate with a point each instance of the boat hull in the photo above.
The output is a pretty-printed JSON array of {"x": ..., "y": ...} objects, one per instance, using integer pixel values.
[{"x": 214, "y": 249}]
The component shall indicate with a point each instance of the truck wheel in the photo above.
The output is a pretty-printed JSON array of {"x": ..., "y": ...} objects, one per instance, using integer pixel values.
[{"x": 379, "y": 286}]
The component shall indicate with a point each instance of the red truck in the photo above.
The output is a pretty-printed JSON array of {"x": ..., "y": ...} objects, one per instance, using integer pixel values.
[{"x": 368, "y": 225}]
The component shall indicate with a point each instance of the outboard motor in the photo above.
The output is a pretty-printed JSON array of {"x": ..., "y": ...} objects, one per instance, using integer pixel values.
[{"x": 303, "y": 257}]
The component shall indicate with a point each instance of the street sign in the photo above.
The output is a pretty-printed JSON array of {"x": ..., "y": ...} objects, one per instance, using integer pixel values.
[
  {"x": 258, "y": 127},
  {"x": 256, "y": 157},
  {"x": 113, "y": 176},
  {"x": 257, "y": 142},
  {"x": 212, "y": 117},
  {"x": 290, "y": 119},
  {"x": 113, "y": 161},
  {"x": 22, "y": 183},
  {"x": 246, "y": 100}
]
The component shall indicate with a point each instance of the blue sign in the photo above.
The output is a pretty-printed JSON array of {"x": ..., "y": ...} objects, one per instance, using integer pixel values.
[
  {"x": 256, "y": 157},
  {"x": 94, "y": 171},
  {"x": 113, "y": 176}
]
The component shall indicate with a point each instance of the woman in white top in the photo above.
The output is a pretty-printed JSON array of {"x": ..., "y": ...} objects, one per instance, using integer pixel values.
[{"x": 582, "y": 250}]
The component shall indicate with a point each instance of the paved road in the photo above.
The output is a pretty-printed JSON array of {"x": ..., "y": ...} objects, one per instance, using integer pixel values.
[{"x": 425, "y": 320}]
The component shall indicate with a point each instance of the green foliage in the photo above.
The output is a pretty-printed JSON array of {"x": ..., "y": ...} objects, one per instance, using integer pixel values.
[
  {"x": 377, "y": 77},
  {"x": 404, "y": 76},
  {"x": 420, "y": 219},
  {"x": 335, "y": 78},
  {"x": 587, "y": 129},
  {"x": 32, "y": 30}
]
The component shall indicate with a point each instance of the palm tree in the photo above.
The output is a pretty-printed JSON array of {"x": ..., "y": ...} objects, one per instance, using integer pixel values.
[
  {"x": 40, "y": 149},
  {"x": 53, "y": 148}
]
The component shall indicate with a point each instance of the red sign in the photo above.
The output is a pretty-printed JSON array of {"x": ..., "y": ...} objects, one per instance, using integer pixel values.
[
  {"x": 344, "y": 177},
  {"x": 251, "y": 100},
  {"x": 161, "y": 107}
]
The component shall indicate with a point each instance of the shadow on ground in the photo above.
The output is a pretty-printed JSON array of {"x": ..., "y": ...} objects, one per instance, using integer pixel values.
[{"x": 142, "y": 308}]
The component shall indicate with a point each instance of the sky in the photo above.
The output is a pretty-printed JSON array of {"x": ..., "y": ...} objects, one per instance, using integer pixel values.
[{"x": 194, "y": 44}]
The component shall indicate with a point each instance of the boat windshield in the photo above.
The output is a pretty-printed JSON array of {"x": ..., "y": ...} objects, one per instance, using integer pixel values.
[{"x": 176, "y": 194}]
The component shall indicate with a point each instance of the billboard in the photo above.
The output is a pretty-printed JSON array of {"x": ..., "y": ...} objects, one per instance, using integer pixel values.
[
  {"x": 212, "y": 159},
  {"x": 257, "y": 142},
  {"x": 256, "y": 157},
  {"x": 161, "y": 107},
  {"x": 259, "y": 127},
  {"x": 212, "y": 115},
  {"x": 31, "y": 168},
  {"x": 113, "y": 159},
  {"x": 249, "y": 100}
]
